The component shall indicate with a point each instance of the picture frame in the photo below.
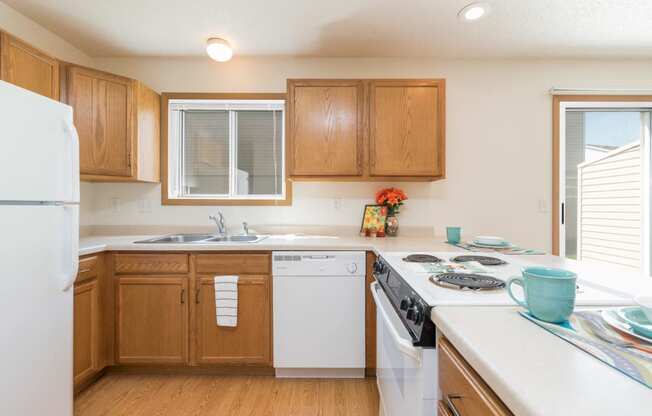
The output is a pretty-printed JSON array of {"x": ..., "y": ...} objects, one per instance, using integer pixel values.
[{"x": 374, "y": 216}]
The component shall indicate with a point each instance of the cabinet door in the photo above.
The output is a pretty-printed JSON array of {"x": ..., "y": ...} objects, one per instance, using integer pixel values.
[
  {"x": 103, "y": 105},
  {"x": 326, "y": 127},
  {"x": 28, "y": 67},
  {"x": 152, "y": 319},
  {"x": 247, "y": 343},
  {"x": 406, "y": 128},
  {"x": 86, "y": 322}
]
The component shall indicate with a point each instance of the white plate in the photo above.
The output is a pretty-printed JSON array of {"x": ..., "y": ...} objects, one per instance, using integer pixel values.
[
  {"x": 490, "y": 240},
  {"x": 612, "y": 319},
  {"x": 476, "y": 244}
]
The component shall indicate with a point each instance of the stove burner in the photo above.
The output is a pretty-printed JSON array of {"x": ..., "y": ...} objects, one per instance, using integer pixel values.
[
  {"x": 422, "y": 258},
  {"x": 467, "y": 281},
  {"x": 483, "y": 260}
]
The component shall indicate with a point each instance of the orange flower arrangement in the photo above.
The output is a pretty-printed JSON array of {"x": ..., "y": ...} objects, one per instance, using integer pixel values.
[{"x": 392, "y": 198}]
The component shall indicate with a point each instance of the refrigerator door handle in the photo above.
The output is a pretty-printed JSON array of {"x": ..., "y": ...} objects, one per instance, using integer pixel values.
[
  {"x": 74, "y": 154},
  {"x": 71, "y": 246}
]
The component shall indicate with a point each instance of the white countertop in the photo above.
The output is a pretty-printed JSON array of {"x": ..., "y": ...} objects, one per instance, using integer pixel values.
[
  {"x": 96, "y": 244},
  {"x": 624, "y": 281},
  {"x": 535, "y": 372}
]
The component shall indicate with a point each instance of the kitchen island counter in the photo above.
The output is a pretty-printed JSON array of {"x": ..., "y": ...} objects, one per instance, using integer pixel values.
[{"x": 535, "y": 372}]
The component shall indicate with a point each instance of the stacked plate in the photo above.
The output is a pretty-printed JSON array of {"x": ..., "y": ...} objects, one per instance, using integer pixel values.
[
  {"x": 632, "y": 320},
  {"x": 489, "y": 241}
]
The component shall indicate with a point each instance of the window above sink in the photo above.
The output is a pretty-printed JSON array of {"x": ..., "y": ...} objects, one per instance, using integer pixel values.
[{"x": 224, "y": 149}]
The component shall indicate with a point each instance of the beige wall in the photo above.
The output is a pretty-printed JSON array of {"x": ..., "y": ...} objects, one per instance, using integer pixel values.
[
  {"x": 498, "y": 142},
  {"x": 498, "y": 137},
  {"x": 36, "y": 35}
]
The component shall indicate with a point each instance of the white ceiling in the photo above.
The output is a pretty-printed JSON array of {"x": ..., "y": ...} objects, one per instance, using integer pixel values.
[{"x": 350, "y": 28}]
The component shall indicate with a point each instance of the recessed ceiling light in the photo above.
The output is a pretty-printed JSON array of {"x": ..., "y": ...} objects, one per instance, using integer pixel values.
[
  {"x": 473, "y": 12},
  {"x": 219, "y": 49}
]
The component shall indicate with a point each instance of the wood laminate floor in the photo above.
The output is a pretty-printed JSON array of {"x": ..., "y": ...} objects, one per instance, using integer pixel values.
[{"x": 152, "y": 395}]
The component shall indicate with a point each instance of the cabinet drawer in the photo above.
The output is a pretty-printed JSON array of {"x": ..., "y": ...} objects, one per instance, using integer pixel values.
[
  {"x": 463, "y": 388},
  {"x": 88, "y": 268},
  {"x": 234, "y": 263},
  {"x": 151, "y": 263}
]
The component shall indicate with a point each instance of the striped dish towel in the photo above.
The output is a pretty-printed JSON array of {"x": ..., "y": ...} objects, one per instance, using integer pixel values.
[{"x": 226, "y": 300}]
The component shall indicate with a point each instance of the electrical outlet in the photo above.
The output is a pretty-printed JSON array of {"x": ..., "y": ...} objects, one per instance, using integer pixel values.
[
  {"x": 144, "y": 206},
  {"x": 337, "y": 204},
  {"x": 114, "y": 204}
]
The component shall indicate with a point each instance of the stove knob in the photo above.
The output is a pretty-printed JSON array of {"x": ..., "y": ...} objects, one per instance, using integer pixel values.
[
  {"x": 407, "y": 303},
  {"x": 378, "y": 267},
  {"x": 415, "y": 314}
]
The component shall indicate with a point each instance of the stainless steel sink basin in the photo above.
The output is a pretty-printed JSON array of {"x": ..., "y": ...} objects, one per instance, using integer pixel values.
[
  {"x": 202, "y": 238},
  {"x": 177, "y": 238},
  {"x": 236, "y": 239}
]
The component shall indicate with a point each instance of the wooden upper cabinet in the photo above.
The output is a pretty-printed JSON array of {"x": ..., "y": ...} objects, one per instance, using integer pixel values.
[
  {"x": 103, "y": 117},
  {"x": 27, "y": 67},
  {"x": 117, "y": 119},
  {"x": 366, "y": 130},
  {"x": 325, "y": 127},
  {"x": 406, "y": 128}
]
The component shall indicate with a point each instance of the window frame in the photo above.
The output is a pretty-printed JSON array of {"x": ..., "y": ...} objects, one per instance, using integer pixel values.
[
  {"x": 166, "y": 198},
  {"x": 561, "y": 103}
]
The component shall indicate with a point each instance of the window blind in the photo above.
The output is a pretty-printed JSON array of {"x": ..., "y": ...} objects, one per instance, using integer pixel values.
[
  {"x": 259, "y": 152},
  {"x": 205, "y": 152}
]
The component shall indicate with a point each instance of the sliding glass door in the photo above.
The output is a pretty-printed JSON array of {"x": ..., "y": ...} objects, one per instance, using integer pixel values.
[{"x": 604, "y": 182}]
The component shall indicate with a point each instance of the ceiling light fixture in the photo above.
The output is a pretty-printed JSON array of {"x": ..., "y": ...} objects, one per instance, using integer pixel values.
[
  {"x": 219, "y": 49},
  {"x": 473, "y": 12}
]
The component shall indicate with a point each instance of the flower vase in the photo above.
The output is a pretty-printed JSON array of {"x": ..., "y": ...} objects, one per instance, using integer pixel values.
[{"x": 391, "y": 225}]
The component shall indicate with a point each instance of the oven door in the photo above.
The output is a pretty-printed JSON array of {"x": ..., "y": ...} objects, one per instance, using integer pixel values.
[{"x": 406, "y": 375}]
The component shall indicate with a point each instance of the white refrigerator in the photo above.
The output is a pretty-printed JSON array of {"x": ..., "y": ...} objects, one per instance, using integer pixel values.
[{"x": 39, "y": 249}]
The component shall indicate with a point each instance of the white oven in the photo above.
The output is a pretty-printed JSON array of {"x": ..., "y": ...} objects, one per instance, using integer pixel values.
[{"x": 406, "y": 375}]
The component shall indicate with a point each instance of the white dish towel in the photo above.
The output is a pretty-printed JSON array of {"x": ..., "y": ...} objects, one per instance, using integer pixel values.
[{"x": 226, "y": 300}]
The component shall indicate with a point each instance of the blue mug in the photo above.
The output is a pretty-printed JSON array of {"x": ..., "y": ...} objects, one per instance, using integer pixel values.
[{"x": 549, "y": 293}]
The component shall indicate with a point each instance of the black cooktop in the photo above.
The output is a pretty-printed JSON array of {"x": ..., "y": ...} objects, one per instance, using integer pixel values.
[
  {"x": 483, "y": 260},
  {"x": 467, "y": 281},
  {"x": 422, "y": 258}
]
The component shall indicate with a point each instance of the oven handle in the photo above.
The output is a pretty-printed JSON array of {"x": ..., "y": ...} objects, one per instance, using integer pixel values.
[{"x": 405, "y": 345}]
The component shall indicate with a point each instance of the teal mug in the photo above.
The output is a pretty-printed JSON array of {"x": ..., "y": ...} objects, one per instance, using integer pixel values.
[
  {"x": 454, "y": 235},
  {"x": 549, "y": 293}
]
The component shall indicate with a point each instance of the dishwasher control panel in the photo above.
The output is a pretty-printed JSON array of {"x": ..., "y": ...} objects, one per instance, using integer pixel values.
[{"x": 318, "y": 263}]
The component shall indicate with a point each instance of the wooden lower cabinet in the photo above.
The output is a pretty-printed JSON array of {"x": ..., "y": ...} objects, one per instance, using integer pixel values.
[
  {"x": 442, "y": 409},
  {"x": 152, "y": 319},
  {"x": 86, "y": 331},
  {"x": 464, "y": 393},
  {"x": 247, "y": 343}
]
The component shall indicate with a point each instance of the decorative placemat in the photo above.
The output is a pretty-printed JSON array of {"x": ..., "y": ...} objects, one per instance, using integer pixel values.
[
  {"x": 517, "y": 251},
  {"x": 626, "y": 354}
]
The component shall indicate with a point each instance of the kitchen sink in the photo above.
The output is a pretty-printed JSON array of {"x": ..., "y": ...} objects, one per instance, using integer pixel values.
[{"x": 202, "y": 238}]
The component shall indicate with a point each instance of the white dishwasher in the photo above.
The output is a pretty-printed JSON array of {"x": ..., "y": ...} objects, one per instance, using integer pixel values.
[{"x": 319, "y": 313}]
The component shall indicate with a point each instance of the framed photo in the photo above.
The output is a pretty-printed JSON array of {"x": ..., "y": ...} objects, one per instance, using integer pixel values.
[{"x": 374, "y": 216}]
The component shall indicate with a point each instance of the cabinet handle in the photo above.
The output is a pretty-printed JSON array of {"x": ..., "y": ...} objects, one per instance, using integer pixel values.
[
  {"x": 451, "y": 405},
  {"x": 197, "y": 296},
  {"x": 183, "y": 292}
]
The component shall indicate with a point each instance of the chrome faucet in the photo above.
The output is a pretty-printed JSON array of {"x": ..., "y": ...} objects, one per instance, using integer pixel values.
[
  {"x": 220, "y": 223},
  {"x": 245, "y": 228}
]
